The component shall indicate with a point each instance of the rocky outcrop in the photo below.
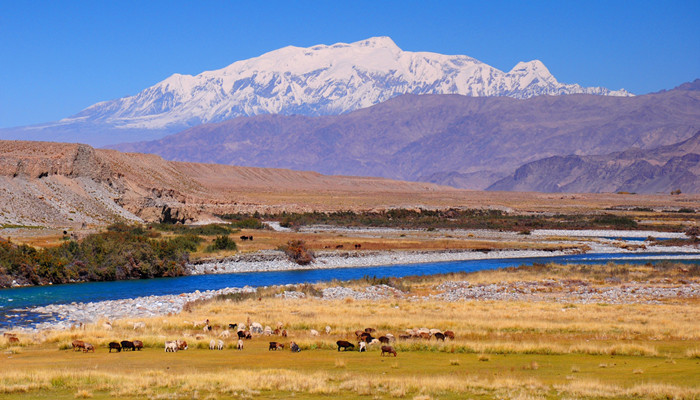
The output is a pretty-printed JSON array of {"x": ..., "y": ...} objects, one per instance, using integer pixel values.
[{"x": 661, "y": 170}]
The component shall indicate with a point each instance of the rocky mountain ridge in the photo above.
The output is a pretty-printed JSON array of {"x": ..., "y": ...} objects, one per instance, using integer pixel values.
[
  {"x": 467, "y": 142},
  {"x": 319, "y": 80}
]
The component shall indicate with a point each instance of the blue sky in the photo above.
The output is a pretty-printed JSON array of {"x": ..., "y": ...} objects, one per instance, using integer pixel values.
[{"x": 58, "y": 57}]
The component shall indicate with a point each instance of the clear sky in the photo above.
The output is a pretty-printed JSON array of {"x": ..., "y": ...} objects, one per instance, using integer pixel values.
[{"x": 58, "y": 57}]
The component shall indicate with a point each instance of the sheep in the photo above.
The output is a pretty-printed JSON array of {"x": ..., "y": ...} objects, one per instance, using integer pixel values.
[
  {"x": 225, "y": 334},
  {"x": 197, "y": 324},
  {"x": 390, "y": 337},
  {"x": 374, "y": 341},
  {"x": 284, "y": 333},
  {"x": 314, "y": 332},
  {"x": 107, "y": 326},
  {"x": 434, "y": 331},
  {"x": 439, "y": 336},
  {"x": 363, "y": 347},
  {"x": 139, "y": 325},
  {"x": 220, "y": 344},
  {"x": 181, "y": 344},
  {"x": 384, "y": 339},
  {"x": 450, "y": 335},
  {"x": 328, "y": 330},
  {"x": 89, "y": 347},
  {"x": 138, "y": 345},
  {"x": 294, "y": 347},
  {"x": 212, "y": 344},
  {"x": 171, "y": 347},
  {"x": 345, "y": 345},
  {"x": 77, "y": 344},
  {"x": 240, "y": 344},
  {"x": 256, "y": 327},
  {"x": 267, "y": 331}
]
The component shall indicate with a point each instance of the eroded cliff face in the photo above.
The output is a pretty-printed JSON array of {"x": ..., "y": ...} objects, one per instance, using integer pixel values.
[{"x": 66, "y": 184}]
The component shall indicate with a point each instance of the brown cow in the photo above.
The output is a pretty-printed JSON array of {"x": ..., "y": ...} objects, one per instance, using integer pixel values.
[
  {"x": 388, "y": 350},
  {"x": 78, "y": 345},
  {"x": 345, "y": 345},
  {"x": 116, "y": 346}
]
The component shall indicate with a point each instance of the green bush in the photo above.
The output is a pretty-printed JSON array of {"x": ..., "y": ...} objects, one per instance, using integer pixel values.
[{"x": 222, "y": 243}]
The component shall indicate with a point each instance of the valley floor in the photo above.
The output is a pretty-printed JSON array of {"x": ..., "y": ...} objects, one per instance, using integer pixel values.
[{"x": 534, "y": 342}]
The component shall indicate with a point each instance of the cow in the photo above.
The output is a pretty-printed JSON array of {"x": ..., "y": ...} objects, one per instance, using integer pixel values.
[
  {"x": 439, "y": 336},
  {"x": 138, "y": 345},
  {"x": 171, "y": 347},
  {"x": 294, "y": 347},
  {"x": 275, "y": 346},
  {"x": 345, "y": 345},
  {"x": 114, "y": 346},
  {"x": 127, "y": 345},
  {"x": 388, "y": 350},
  {"x": 77, "y": 344},
  {"x": 89, "y": 347}
]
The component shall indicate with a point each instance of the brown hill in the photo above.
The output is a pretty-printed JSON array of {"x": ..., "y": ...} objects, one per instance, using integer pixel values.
[
  {"x": 469, "y": 142},
  {"x": 64, "y": 184}
]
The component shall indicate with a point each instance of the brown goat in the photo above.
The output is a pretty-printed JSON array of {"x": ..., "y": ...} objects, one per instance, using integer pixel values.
[{"x": 388, "y": 350}]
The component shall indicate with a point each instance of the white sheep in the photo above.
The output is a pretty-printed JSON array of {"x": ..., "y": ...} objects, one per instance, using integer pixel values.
[
  {"x": 170, "y": 347},
  {"x": 328, "y": 330},
  {"x": 220, "y": 345},
  {"x": 363, "y": 347},
  {"x": 139, "y": 325},
  {"x": 212, "y": 344},
  {"x": 314, "y": 332},
  {"x": 240, "y": 344},
  {"x": 225, "y": 334}
]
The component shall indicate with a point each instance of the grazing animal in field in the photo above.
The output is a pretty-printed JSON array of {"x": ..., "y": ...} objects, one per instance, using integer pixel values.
[
  {"x": 240, "y": 344},
  {"x": 220, "y": 344},
  {"x": 138, "y": 345},
  {"x": 294, "y": 347},
  {"x": 244, "y": 335},
  {"x": 404, "y": 337},
  {"x": 225, "y": 334},
  {"x": 384, "y": 339},
  {"x": 390, "y": 337},
  {"x": 366, "y": 337},
  {"x": 107, "y": 326},
  {"x": 13, "y": 339},
  {"x": 244, "y": 238},
  {"x": 363, "y": 347},
  {"x": 374, "y": 341},
  {"x": 328, "y": 330},
  {"x": 139, "y": 325},
  {"x": 359, "y": 333},
  {"x": 181, "y": 345},
  {"x": 450, "y": 335},
  {"x": 425, "y": 335},
  {"x": 370, "y": 330},
  {"x": 8, "y": 334},
  {"x": 340, "y": 246},
  {"x": 212, "y": 344},
  {"x": 114, "y": 346},
  {"x": 77, "y": 344},
  {"x": 439, "y": 336},
  {"x": 358, "y": 246},
  {"x": 127, "y": 345},
  {"x": 206, "y": 328},
  {"x": 284, "y": 333},
  {"x": 388, "y": 350},
  {"x": 434, "y": 331},
  {"x": 267, "y": 331},
  {"x": 232, "y": 326},
  {"x": 256, "y": 327},
  {"x": 171, "y": 347},
  {"x": 89, "y": 347},
  {"x": 275, "y": 346},
  {"x": 313, "y": 332},
  {"x": 280, "y": 325},
  {"x": 198, "y": 324},
  {"x": 277, "y": 332},
  {"x": 345, "y": 345}
]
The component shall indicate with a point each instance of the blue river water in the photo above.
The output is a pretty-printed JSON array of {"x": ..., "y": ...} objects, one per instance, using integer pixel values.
[{"x": 14, "y": 301}]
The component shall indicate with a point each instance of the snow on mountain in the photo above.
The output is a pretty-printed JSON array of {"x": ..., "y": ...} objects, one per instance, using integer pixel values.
[{"x": 321, "y": 80}]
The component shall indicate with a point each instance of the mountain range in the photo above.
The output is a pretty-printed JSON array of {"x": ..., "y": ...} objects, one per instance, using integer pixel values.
[
  {"x": 467, "y": 142},
  {"x": 319, "y": 80}
]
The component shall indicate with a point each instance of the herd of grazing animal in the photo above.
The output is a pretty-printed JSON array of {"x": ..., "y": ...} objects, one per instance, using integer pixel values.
[{"x": 366, "y": 338}]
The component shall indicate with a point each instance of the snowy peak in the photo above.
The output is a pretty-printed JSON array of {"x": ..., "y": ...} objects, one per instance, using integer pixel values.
[{"x": 320, "y": 80}]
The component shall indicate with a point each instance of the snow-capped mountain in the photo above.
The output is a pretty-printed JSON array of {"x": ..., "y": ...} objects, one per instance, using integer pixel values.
[{"x": 318, "y": 80}]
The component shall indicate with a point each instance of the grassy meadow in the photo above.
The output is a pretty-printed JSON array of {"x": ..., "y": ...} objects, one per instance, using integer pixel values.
[{"x": 502, "y": 349}]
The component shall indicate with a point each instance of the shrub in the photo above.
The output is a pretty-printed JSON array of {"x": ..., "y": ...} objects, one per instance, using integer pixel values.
[
  {"x": 222, "y": 242},
  {"x": 297, "y": 252}
]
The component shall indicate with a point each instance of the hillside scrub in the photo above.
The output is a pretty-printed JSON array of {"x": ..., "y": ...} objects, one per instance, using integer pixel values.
[
  {"x": 121, "y": 252},
  {"x": 460, "y": 219}
]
